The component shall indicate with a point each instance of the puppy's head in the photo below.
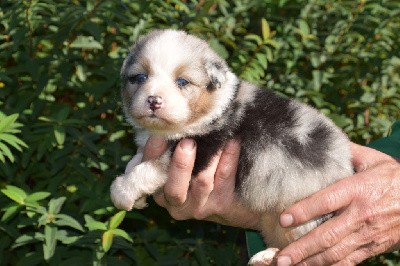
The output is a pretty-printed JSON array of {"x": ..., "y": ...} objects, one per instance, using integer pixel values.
[{"x": 174, "y": 84}]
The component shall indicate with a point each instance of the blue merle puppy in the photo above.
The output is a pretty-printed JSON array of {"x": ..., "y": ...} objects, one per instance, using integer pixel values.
[{"x": 175, "y": 86}]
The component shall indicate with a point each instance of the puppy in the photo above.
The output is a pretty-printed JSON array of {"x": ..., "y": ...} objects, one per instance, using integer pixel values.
[{"x": 175, "y": 86}]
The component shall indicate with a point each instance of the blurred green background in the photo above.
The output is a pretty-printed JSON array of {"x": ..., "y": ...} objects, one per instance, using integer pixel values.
[{"x": 63, "y": 137}]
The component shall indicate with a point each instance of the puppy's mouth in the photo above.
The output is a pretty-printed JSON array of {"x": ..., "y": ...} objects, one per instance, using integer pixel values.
[
  {"x": 150, "y": 114},
  {"x": 152, "y": 120},
  {"x": 153, "y": 115}
]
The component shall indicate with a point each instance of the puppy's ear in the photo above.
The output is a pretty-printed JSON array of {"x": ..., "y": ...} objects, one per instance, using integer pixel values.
[
  {"x": 123, "y": 68},
  {"x": 216, "y": 71}
]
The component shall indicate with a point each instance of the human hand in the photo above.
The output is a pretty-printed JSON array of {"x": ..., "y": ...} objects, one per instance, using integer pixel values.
[
  {"x": 367, "y": 215},
  {"x": 208, "y": 196}
]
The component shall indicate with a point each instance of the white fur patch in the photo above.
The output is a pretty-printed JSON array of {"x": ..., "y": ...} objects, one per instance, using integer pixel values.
[
  {"x": 144, "y": 179},
  {"x": 265, "y": 257}
]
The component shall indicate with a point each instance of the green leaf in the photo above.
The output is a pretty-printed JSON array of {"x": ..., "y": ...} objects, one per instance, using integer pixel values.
[
  {"x": 219, "y": 48},
  {"x": 66, "y": 220},
  {"x": 86, "y": 42},
  {"x": 317, "y": 79},
  {"x": 106, "y": 240},
  {"x": 7, "y": 152},
  {"x": 28, "y": 239},
  {"x": 117, "y": 219},
  {"x": 92, "y": 224},
  {"x": 304, "y": 28},
  {"x": 34, "y": 197},
  {"x": 117, "y": 135},
  {"x": 6, "y": 122},
  {"x": 62, "y": 114},
  {"x": 13, "y": 141},
  {"x": 55, "y": 205},
  {"x": 10, "y": 211},
  {"x": 262, "y": 60},
  {"x": 266, "y": 31},
  {"x": 50, "y": 241},
  {"x": 59, "y": 134},
  {"x": 15, "y": 193},
  {"x": 122, "y": 233},
  {"x": 254, "y": 37},
  {"x": 368, "y": 97}
]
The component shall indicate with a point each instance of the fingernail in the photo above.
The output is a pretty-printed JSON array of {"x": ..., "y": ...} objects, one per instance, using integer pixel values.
[
  {"x": 283, "y": 261},
  {"x": 156, "y": 142},
  {"x": 187, "y": 144},
  {"x": 286, "y": 220}
]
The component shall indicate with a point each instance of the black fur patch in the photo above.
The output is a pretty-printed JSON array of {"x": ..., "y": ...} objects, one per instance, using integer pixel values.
[
  {"x": 313, "y": 154},
  {"x": 270, "y": 121},
  {"x": 210, "y": 87},
  {"x": 207, "y": 147}
]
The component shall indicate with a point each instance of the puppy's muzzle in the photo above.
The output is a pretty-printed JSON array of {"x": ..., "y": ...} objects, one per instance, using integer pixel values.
[{"x": 155, "y": 102}]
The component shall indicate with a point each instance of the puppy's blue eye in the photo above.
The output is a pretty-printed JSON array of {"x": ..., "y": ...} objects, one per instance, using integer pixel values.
[
  {"x": 138, "y": 79},
  {"x": 181, "y": 82}
]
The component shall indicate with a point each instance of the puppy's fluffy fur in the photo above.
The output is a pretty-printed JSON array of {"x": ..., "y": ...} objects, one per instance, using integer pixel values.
[{"x": 175, "y": 86}]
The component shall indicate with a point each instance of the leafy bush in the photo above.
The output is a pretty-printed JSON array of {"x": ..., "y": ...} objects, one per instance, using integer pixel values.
[{"x": 59, "y": 76}]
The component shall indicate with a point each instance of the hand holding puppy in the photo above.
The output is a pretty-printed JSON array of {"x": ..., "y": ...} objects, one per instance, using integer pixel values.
[
  {"x": 367, "y": 220},
  {"x": 210, "y": 196}
]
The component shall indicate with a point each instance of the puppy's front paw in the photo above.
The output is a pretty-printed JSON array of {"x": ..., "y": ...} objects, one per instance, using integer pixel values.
[
  {"x": 123, "y": 196},
  {"x": 130, "y": 190},
  {"x": 140, "y": 203},
  {"x": 265, "y": 257}
]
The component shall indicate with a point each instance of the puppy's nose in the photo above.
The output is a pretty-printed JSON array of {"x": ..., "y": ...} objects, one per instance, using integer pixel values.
[{"x": 155, "y": 102}]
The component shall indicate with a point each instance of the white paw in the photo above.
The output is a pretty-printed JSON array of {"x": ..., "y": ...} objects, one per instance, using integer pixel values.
[
  {"x": 265, "y": 257},
  {"x": 130, "y": 190},
  {"x": 123, "y": 196},
  {"x": 140, "y": 203}
]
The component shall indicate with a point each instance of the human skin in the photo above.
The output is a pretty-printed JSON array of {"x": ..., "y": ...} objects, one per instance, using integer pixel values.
[
  {"x": 210, "y": 195},
  {"x": 366, "y": 204},
  {"x": 367, "y": 215}
]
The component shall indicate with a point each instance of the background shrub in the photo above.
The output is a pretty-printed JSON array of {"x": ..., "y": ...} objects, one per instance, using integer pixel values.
[{"x": 63, "y": 137}]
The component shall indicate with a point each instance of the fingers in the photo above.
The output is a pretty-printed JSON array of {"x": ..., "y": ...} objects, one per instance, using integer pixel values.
[
  {"x": 328, "y": 243},
  {"x": 208, "y": 192},
  {"x": 364, "y": 225},
  {"x": 180, "y": 172},
  {"x": 320, "y": 239},
  {"x": 323, "y": 202},
  {"x": 213, "y": 188},
  {"x": 227, "y": 167},
  {"x": 154, "y": 147},
  {"x": 202, "y": 186},
  {"x": 347, "y": 248},
  {"x": 364, "y": 157}
]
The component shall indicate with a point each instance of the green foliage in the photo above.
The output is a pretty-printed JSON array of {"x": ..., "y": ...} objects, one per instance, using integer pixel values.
[
  {"x": 59, "y": 77},
  {"x": 8, "y": 129}
]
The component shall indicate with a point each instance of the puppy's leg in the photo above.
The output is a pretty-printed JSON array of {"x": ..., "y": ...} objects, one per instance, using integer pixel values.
[
  {"x": 276, "y": 235},
  {"x": 265, "y": 257},
  {"x": 136, "y": 160},
  {"x": 130, "y": 190}
]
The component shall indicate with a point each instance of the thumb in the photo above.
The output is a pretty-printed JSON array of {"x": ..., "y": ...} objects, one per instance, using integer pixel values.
[{"x": 364, "y": 157}]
